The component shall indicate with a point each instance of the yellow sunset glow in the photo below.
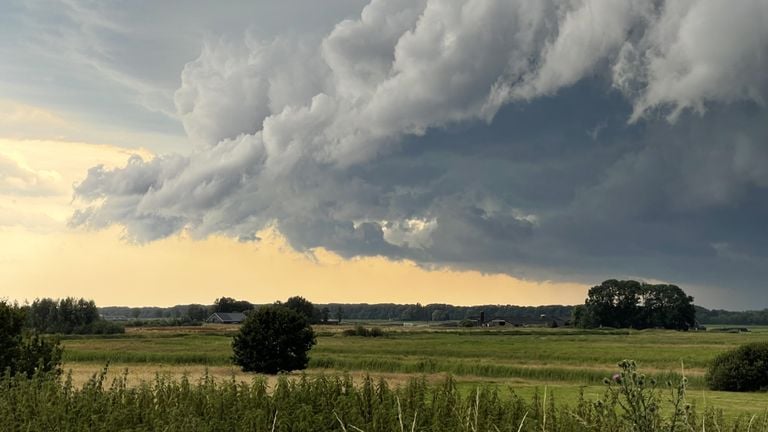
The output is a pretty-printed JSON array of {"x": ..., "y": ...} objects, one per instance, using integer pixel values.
[{"x": 182, "y": 270}]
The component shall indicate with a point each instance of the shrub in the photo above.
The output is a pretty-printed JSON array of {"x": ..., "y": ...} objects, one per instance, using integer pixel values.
[
  {"x": 742, "y": 369},
  {"x": 39, "y": 354},
  {"x": 273, "y": 339},
  {"x": 466, "y": 323},
  {"x": 364, "y": 332}
]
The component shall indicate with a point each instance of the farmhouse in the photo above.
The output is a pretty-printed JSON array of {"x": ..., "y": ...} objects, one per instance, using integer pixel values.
[{"x": 226, "y": 318}]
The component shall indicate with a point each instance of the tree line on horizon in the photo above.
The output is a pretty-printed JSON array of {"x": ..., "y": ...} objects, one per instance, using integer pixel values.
[
  {"x": 66, "y": 316},
  {"x": 333, "y": 312},
  {"x": 434, "y": 312}
]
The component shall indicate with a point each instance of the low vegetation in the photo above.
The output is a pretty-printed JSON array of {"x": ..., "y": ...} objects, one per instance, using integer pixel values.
[
  {"x": 742, "y": 369},
  {"x": 164, "y": 322},
  {"x": 481, "y": 362},
  {"x": 541, "y": 355},
  {"x": 630, "y": 402},
  {"x": 359, "y": 330}
]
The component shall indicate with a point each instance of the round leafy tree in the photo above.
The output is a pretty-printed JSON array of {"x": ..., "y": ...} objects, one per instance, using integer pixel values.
[
  {"x": 24, "y": 354},
  {"x": 273, "y": 339},
  {"x": 742, "y": 369}
]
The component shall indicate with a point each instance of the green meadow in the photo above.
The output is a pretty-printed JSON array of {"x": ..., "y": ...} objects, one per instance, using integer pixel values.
[{"x": 525, "y": 361}]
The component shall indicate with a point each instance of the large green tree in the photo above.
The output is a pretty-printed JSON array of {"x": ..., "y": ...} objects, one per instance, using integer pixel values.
[
  {"x": 273, "y": 339},
  {"x": 628, "y": 303},
  {"x": 20, "y": 353}
]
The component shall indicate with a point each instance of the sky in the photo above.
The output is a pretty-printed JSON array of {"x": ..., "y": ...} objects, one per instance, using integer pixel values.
[{"x": 465, "y": 152}]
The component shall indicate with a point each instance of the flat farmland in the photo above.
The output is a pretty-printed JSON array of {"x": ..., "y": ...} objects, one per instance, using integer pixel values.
[{"x": 565, "y": 361}]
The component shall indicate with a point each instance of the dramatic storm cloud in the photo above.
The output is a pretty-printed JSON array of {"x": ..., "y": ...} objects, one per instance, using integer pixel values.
[{"x": 546, "y": 139}]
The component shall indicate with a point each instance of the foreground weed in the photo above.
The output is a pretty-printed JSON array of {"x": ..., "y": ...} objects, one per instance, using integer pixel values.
[{"x": 631, "y": 403}]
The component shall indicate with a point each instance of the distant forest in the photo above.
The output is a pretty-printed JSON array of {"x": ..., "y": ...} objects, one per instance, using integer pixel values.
[
  {"x": 433, "y": 312},
  {"x": 381, "y": 311},
  {"x": 719, "y": 316}
]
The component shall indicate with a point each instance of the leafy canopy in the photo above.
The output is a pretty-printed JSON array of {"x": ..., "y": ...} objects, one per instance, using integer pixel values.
[
  {"x": 628, "y": 303},
  {"x": 273, "y": 339},
  {"x": 24, "y": 354}
]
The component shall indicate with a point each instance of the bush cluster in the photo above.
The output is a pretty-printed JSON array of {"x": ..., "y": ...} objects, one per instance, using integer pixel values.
[
  {"x": 364, "y": 332},
  {"x": 467, "y": 323},
  {"x": 742, "y": 369}
]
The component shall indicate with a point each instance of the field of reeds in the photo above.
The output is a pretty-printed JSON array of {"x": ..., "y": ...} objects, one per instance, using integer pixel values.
[{"x": 629, "y": 402}]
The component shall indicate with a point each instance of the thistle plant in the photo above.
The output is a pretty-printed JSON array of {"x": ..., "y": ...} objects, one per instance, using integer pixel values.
[{"x": 639, "y": 399}]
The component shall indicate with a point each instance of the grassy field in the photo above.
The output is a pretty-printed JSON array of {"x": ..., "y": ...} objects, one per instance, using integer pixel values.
[{"x": 565, "y": 361}]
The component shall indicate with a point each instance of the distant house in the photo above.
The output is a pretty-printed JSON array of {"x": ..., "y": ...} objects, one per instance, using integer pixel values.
[{"x": 226, "y": 318}]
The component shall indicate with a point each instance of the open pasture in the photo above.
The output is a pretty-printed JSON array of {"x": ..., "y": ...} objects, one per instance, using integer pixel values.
[{"x": 527, "y": 360}]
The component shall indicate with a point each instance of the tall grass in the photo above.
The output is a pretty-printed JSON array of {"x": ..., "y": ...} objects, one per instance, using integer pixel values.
[
  {"x": 479, "y": 369},
  {"x": 181, "y": 358},
  {"x": 424, "y": 365},
  {"x": 335, "y": 403}
]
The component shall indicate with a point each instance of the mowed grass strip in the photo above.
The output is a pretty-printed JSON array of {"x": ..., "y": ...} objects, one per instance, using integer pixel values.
[
  {"x": 168, "y": 349},
  {"x": 483, "y": 369}
]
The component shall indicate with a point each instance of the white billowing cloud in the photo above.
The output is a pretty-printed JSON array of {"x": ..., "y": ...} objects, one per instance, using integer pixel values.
[
  {"x": 404, "y": 68},
  {"x": 590, "y": 31},
  {"x": 233, "y": 86},
  {"x": 398, "y": 70},
  {"x": 293, "y": 132},
  {"x": 361, "y": 52},
  {"x": 695, "y": 52}
]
